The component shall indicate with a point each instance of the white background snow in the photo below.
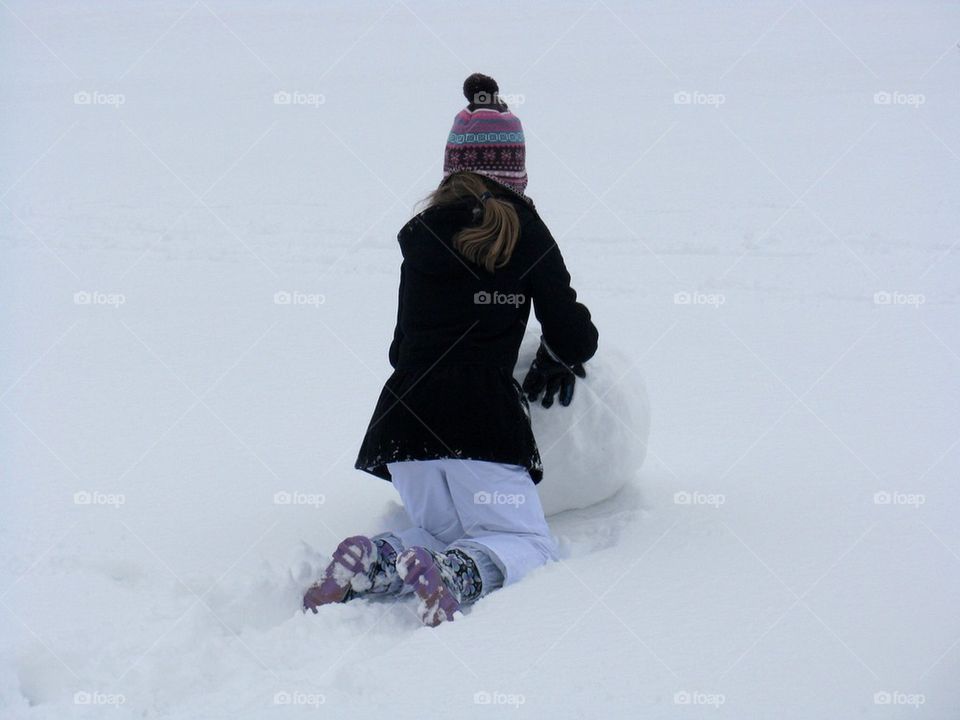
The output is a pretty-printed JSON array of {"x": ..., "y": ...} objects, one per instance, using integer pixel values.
[{"x": 757, "y": 200}]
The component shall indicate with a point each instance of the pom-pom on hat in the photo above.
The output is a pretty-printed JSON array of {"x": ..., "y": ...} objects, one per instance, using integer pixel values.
[{"x": 486, "y": 138}]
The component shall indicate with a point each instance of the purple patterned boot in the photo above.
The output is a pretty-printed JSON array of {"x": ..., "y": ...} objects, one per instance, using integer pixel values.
[
  {"x": 359, "y": 565},
  {"x": 443, "y": 582}
]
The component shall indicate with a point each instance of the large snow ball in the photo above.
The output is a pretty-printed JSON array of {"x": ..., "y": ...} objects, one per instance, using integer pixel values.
[{"x": 594, "y": 447}]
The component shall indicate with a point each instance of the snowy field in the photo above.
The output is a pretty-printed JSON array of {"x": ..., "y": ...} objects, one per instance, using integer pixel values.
[{"x": 757, "y": 200}]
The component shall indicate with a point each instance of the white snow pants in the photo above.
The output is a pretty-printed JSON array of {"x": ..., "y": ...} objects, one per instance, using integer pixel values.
[{"x": 490, "y": 511}]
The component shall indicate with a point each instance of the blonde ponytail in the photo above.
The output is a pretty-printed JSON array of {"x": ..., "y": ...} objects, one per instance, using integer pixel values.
[{"x": 489, "y": 244}]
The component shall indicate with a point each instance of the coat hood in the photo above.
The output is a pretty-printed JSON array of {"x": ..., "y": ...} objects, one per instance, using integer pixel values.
[{"x": 426, "y": 241}]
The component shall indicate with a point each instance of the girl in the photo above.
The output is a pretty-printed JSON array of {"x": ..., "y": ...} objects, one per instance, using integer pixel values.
[{"x": 451, "y": 429}]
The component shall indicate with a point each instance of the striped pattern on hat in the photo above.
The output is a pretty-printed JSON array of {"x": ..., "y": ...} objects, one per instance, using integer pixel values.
[{"x": 489, "y": 143}]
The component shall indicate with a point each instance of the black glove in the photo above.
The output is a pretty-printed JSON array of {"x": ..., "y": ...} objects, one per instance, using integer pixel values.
[{"x": 549, "y": 374}]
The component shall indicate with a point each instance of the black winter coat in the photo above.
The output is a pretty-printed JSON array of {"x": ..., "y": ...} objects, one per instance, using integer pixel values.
[{"x": 458, "y": 333}]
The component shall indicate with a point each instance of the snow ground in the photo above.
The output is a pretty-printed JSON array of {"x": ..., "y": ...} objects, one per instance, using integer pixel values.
[{"x": 789, "y": 549}]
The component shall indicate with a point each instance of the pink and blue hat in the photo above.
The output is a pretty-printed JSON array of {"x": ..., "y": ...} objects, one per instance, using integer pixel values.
[{"x": 486, "y": 138}]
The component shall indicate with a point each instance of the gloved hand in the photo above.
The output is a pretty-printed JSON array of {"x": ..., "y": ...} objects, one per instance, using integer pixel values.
[{"x": 548, "y": 374}]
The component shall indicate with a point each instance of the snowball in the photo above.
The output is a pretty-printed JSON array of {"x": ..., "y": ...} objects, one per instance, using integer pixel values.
[{"x": 592, "y": 448}]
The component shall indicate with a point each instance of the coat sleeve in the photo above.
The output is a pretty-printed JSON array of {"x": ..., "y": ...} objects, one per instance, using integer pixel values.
[
  {"x": 566, "y": 324},
  {"x": 394, "y": 353}
]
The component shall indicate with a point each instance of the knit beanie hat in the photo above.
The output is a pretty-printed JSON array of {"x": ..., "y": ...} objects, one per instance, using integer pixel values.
[{"x": 486, "y": 138}]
